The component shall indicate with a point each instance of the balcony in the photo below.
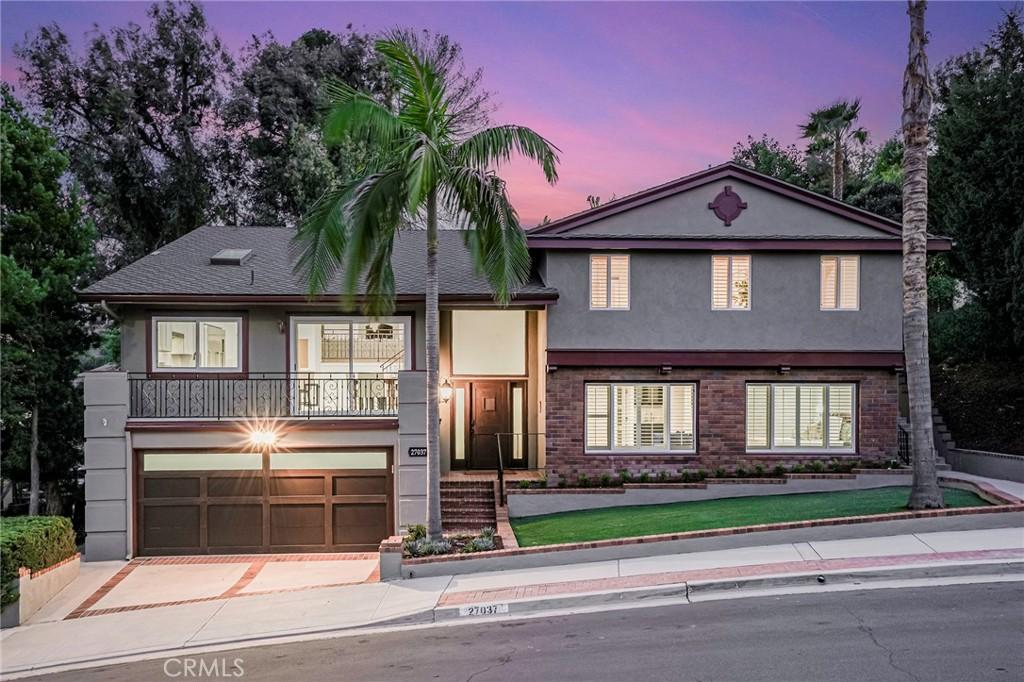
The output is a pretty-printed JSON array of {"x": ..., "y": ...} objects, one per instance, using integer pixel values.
[{"x": 262, "y": 395}]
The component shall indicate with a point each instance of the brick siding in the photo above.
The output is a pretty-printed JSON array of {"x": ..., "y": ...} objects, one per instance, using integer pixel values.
[{"x": 721, "y": 433}]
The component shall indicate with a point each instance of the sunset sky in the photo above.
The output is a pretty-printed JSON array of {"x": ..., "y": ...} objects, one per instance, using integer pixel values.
[{"x": 633, "y": 94}]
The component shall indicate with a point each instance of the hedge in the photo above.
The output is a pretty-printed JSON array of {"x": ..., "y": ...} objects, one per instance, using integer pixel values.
[{"x": 34, "y": 542}]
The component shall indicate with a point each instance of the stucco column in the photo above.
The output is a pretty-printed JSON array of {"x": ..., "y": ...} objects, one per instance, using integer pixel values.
[
  {"x": 411, "y": 471},
  {"x": 107, "y": 465}
]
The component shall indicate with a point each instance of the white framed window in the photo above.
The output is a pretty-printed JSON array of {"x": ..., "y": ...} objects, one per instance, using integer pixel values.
[
  {"x": 609, "y": 282},
  {"x": 642, "y": 417},
  {"x": 840, "y": 282},
  {"x": 350, "y": 345},
  {"x": 730, "y": 282},
  {"x": 812, "y": 417},
  {"x": 198, "y": 344}
]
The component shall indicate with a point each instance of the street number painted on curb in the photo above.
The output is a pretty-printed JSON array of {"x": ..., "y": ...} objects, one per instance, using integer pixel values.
[{"x": 483, "y": 610}]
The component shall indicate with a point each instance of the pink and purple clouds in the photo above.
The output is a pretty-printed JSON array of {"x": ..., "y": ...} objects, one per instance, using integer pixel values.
[{"x": 633, "y": 94}]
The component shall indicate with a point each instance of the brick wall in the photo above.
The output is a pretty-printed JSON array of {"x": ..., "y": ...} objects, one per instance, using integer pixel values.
[{"x": 721, "y": 437}]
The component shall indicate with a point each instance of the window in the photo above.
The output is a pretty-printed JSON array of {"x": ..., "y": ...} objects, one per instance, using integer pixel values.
[
  {"x": 800, "y": 417},
  {"x": 337, "y": 345},
  {"x": 730, "y": 282},
  {"x": 609, "y": 282},
  {"x": 201, "y": 344},
  {"x": 840, "y": 282},
  {"x": 642, "y": 417},
  {"x": 488, "y": 342}
]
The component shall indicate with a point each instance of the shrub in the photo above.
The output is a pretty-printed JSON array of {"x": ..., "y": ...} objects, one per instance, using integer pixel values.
[
  {"x": 662, "y": 476},
  {"x": 685, "y": 476},
  {"x": 523, "y": 484},
  {"x": 424, "y": 547},
  {"x": 817, "y": 466},
  {"x": 797, "y": 469},
  {"x": 741, "y": 472},
  {"x": 779, "y": 471},
  {"x": 701, "y": 474},
  {"x": 583, "y": 481},
  {"x": 758, "y": 470},
  {"x": 34, "y": 542},
  {"x": 416, "y": 532},
  {"x": 562, "y": 483},
  {"x": 625, "y": 476},
  {"x": 606, "y": 480},
  {"x": 645, "y": 477}
]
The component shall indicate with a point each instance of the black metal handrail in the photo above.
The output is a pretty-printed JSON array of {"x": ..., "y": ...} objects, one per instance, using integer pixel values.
[
  {"x": 501, "y": 460},
  {"x": 903, "y": 444},
  {"x": 262, "y": 395}
]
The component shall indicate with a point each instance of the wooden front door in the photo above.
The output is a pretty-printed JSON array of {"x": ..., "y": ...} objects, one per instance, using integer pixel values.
[{"x": 488, "y": 416}]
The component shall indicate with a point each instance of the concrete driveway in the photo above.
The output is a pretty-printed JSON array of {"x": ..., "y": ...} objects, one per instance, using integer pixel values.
[{"x": 156, "y": 582}]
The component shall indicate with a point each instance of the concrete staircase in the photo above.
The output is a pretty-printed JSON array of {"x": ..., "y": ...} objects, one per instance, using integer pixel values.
[
  {"x": 467, "y": 505},
  {"x": 943, "y": 439}
]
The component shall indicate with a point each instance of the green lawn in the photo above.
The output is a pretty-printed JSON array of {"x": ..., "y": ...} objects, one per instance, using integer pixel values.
[{"x": 625, "y": 522}]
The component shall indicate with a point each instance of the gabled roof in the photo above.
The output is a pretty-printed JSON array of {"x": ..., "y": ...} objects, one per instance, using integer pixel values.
[
  {"x": 182, "y": 271},
  {"x": 563, "y": 228}
]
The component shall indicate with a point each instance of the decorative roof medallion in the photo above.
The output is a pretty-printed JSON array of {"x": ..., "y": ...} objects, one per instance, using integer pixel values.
[{"x": 727, "y": 205}]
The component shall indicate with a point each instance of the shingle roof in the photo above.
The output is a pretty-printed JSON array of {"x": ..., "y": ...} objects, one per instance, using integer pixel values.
[{"x": 183, "y": 268}]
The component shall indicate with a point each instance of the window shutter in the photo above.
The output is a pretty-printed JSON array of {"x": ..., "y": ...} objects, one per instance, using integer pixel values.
[
  {"x": 829, "y": 277},
  {"x": 599, "y": 281},
  {"x": 840, "y": 416},
  {"x": 740, "y": 285},
  {"x": 812, "y": 416},
  {"x": 681, "y": 419},
  {"x": 757, "y": 415},
  {"x": 619, "y": 285},
  {"x": 598, "y": 415},
  {"x": 625, "y": 416},
  {"x": 720, "y": 282},
  {"x": 849, "y": 281},
  {"x": 652, "y": 416},
  {"x": 784, "y": 417}
]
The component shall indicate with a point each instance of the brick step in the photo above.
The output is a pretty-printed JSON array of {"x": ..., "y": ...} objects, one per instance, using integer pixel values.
[
  {"x": 474, "y": 512},
  {"x": 470, "y": 500},
  {"x": 467, "y": 484},
  {"x": 471, "y": 521}
]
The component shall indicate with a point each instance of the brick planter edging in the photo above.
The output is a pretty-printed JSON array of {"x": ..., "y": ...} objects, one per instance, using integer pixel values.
[
  {"x": 23, "y": 571},
  {"x": 718, "y": 532}
]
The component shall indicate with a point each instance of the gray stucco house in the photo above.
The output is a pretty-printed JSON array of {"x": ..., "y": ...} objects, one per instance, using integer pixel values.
[{"x": 725, "y": 319}]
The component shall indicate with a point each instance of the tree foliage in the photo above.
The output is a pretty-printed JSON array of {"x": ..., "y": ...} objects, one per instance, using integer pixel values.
[
  {"x": 47, "y": 251},
  {"x": 977, "y": 178},
  {"x": 138, "y": 115}
]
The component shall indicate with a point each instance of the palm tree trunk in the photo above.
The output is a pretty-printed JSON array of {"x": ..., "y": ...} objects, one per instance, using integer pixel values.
[
  {"x": 917, "y": 105},
  {"x": 837, "y": 169},
  {"x": 432, "y": 341},
  {"x": 33, "y": 464}
]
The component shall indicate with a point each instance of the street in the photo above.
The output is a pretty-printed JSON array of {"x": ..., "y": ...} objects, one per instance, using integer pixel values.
[{"x": 960, "y": 632}]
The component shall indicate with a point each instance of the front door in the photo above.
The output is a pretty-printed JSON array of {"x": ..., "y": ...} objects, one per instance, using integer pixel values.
[{"x": 488, "y": 416}]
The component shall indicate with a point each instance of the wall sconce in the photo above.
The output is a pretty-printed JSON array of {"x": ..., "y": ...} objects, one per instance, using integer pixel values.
[
  {"x": 666, "y": 369},
  {"x": 444, "y": 392},
  {"x": 784, "y": 369}
]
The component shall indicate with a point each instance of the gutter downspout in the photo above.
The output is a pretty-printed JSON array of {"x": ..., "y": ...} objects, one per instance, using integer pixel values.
[{"x": 106, "y": 308}]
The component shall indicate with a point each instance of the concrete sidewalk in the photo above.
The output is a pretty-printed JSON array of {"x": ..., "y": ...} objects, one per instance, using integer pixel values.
[{"x": 169, "y": 630}]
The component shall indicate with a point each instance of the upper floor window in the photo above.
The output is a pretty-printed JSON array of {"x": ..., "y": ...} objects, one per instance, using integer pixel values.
[
  {"x": 609, "y": 282},
  {"x": 204, "y": 343},
  {"x": 840, "y": 276},
  {"x": 730, "y": 282},
  {"x": 646, "y": 417}
]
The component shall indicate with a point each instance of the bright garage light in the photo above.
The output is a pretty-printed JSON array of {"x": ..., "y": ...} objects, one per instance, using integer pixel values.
[{"x": 262, "y": 438}]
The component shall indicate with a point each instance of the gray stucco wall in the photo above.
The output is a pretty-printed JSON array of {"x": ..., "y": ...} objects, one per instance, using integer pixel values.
[
  {"x": 767, "y": 214},
  {"x": 107, "y": 466},
  {"x": 670, "y": 306},
  {"x": 411, "y": 472}
]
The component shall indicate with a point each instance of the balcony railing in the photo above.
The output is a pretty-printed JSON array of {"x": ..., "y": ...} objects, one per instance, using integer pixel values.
[{"x": 262, "y": 395}]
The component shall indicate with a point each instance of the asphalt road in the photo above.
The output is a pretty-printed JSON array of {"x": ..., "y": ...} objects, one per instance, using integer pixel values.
[{"x": 966, "y": 633}]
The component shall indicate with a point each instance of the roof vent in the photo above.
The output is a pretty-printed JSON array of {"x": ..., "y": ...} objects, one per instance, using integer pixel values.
[{"x": 230, "y": 256}]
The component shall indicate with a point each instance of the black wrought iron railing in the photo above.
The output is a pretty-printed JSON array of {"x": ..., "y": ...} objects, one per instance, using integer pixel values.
[
  {"x": 903, "y": 444},
  {"x": 262, "y": 395}
]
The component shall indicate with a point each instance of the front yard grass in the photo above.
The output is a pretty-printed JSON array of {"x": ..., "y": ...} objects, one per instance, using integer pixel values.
[{"x": 676, "y": 517}]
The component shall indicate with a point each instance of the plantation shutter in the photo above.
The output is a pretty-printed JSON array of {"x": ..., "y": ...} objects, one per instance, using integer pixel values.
[
  {"x": 625, "y": 416},
  {"x": 829, "y": 281},
  {"x": 840, "y": 416},
  {"x": 598, "y": 415},
  {"x": 740, "y": 282},
  {"x": 619, "y": 285},
  {"x": 848, "y": 282},
  {"x": 652, "y": 416},
  {"x": 784, "y": 417},
  {"x": 758, "y": 405},
  {"x": 599, "y": 281},
  {"x": 720, "y": 282},
  {"x": 681, "y": 419},
  {"x": 812, "y": 416}
]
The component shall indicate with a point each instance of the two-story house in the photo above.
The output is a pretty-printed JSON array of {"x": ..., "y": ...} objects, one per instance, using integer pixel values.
[{"x": 722, "y": 320}]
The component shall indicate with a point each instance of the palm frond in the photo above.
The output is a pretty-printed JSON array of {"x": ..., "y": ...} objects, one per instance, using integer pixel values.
[
  {"x": 424, "y": 166},
  {"x": 372, "y": 215},
  {"x": 496, "y": 145},
  {"x": 322, "y": 238},
  {"x": 353, "y": 113},
  {"x": 380, "y": 279},
  {"x": 421, "y": 86},
  {"x": 496, "y": 240}
]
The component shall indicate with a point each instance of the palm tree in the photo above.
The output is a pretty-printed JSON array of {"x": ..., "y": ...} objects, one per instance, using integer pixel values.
[
  {"x": 832, "y": 128},
  {"x": 917, "y": 107},
  {"x": 430, "y": 157}
]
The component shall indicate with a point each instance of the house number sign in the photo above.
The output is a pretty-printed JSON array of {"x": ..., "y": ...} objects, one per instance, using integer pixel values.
[{"x": 417, "y": 452}]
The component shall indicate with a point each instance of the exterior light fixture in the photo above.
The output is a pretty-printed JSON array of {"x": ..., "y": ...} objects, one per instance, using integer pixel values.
[
  {"x": 666, "y": 369},
  {"x": 263, "y": 439},
  {"x": 444, "y": 392},
  {"x": 784, "y": 369}
]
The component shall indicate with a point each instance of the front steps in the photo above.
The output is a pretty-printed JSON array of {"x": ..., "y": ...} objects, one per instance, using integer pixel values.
[{"x": 467, "y": 505}]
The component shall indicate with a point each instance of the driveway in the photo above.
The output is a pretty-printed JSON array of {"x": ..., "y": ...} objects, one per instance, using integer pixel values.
[{"x": 156, "y": 582}]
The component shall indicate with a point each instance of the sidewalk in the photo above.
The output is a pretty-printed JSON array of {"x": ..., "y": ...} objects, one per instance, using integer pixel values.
[{"x": 103, "y": 638}]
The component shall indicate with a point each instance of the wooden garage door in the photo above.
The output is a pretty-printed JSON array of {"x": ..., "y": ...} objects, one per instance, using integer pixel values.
[{"x": 193, "y": 502}]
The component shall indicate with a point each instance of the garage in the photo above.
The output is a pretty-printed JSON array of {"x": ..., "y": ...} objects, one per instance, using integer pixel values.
[{"x": 207, "y": 502}]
